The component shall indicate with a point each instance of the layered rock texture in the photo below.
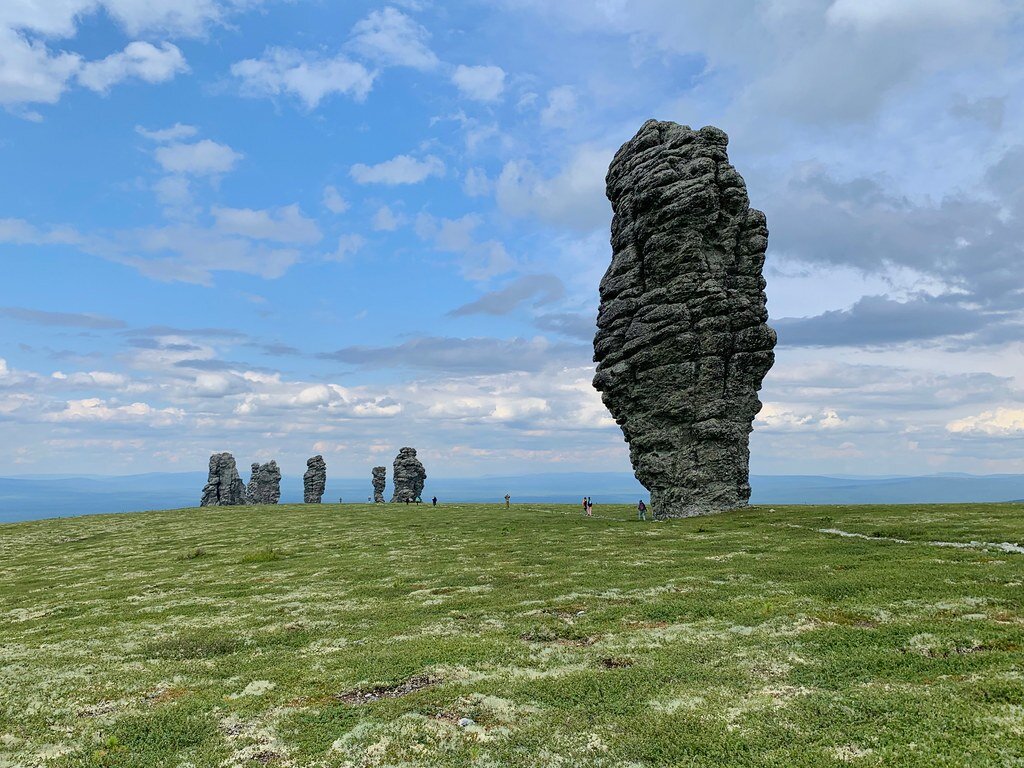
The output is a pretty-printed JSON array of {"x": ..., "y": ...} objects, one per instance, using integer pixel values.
[
  {"x": 264, "y": 484},
  {"x": 682, "y": 343},
  {"x": 409, "y": 476},
  {"x": 380, "y": 479},
  {"x": 314, "y": 481},
  {"x": 224, "y": 488}
]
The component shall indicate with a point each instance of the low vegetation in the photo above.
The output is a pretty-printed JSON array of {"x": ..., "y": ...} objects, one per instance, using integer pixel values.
[{"x": 469, "y": 635}]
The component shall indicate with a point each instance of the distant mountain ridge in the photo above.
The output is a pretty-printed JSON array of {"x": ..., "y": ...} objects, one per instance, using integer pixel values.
[{"x": 29, "y": 497}]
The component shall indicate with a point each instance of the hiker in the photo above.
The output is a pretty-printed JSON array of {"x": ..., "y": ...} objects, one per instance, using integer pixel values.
[
  {"x": 508, "y": 501},
  {"x": 419, "y": 499},
  {"x": 641, "y": 511},
  {"x": 434, "y": 501},
  {"x": 584, "y": 505},
  {"x": 590, "y": 507}
]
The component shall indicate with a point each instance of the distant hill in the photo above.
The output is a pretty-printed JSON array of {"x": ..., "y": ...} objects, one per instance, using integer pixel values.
[{"x": 38, "y": 496}]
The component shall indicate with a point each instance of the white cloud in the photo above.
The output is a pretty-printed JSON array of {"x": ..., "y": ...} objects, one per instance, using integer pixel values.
[
  {"x": 476, "y": 183},
  {"x": 562, "y": 108},
  {"x": 29, "y": 73},
  {"x": 402, "y": 169},
  {"x": 139, "y": 59},
  {"x": 282, "y": 71},
  {"x": 1001, "y": 422},
  {"x": 347, "y": 245},
  {"x": 481, "y": 83},
  {"x": 574, "y": 198},
  {"x": 867, "y": 14},
  {"x": 477, "y": 260},
  {"x": 176, "y": 132},
  {"x": 105, "y": 379},
  {"x": 390, "y": 37},
  {"x": 333, "y": 201},
  {"x": 95, "y": 409},
  {"x": 202, "y": 158},
  {"x": 284, "y": 225},
  {"x": 385, "y": 220}
]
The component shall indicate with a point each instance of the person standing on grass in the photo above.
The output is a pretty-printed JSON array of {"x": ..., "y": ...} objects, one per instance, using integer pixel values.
[
  {"x": 434, "y": 501},
  {"x": 508, "y": 501},
  {"x": 590, "y": 507},
  {"x": 584, "y": 505},
  {"x": 641, "y": 511}
]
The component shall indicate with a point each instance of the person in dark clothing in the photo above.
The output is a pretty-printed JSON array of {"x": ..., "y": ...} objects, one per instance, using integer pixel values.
[
  {"x": 641, "y": 510},
  {"x": 434, "y": 501}
]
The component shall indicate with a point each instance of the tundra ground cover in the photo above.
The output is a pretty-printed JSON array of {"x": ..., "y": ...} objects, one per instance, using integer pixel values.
[{"x": 357, "y": 635}]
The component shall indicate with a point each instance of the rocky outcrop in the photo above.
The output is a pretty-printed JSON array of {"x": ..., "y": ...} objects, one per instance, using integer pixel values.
[
  {"x": 264, "y": 484},
  {"x": 409, "y": 476},
  {"x": 315, "y": 480},
  {"x": 224, "y": 488},
  {"x": 380, "y": 479},
  {"x": 682, "y": 343}
]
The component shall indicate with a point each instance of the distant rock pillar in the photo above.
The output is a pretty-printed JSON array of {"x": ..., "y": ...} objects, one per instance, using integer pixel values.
[
  {"x": 380, "y": 475},
  {"x": 408, "y": 477},
  {"x": 315, "y": 480},
  {"x": 264, "y": 485},
  {"x": 224, "y": 488}
]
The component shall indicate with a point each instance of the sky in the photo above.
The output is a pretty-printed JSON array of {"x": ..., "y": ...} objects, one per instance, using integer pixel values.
[{"x": 285, "y": 228}]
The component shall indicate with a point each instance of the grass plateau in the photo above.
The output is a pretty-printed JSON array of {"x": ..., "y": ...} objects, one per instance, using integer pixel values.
[{"x": 469, "y": 635}]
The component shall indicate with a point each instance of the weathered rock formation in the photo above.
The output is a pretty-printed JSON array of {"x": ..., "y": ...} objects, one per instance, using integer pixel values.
[
  {"x": 682, "y": 343},
  {"x": 380, "y": 479},
  {"x": 264, "y": 484},
  {"x": 223, "y": 487},
  {"x": 409, "y": 476},
  {"x": 315, "y": 480}
]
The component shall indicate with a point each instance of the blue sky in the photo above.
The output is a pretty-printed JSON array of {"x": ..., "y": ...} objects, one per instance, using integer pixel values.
[{"x": 286, "y": 228}]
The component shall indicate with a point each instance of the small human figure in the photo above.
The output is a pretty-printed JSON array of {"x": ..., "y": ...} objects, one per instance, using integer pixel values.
[
  {"x": 508, "y": 501},
  {"x": 406, "y": 501},
  {"x": 419, "y": 500},
  {"x": 590, "y": 507},
  {"x": 641, "y": 511},
  {"x": 584, "y": 505},
  {"x": 434, "y": 501}
]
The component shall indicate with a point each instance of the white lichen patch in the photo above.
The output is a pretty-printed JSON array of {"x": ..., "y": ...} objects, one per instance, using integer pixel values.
[
  {"x": 255, "y": 688},
  {"x": 848, "y": 753}
]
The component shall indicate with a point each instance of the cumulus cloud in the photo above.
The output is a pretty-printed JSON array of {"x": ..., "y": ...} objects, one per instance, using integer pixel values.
[
  {"x": 141, "y": 60},
  {"x": 480, "y": 83},
  {"x": 333, "y": 201},
  {"x": 477, "y": 259},
  {"x": 386, "y": 220},
  {"x": 30, "y": 73},
  {"x": 201, "y": 158},
  {"x": 283, "y": 71},
  {"x": 401, "y": 169},
  {"x": 96, "y": 409},
  {"x": 390, "y": 37},
  {"x": 1001, "y": 422},
  {"x": 174, "y": 133},
  {"x": 574, "y": 198},
  {"x": 562, "y": 107},
  {"x": 284, "y": 225}
]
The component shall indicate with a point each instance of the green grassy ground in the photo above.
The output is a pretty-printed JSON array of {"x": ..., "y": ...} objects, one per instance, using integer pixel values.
[{"x": 360, "y": 636}]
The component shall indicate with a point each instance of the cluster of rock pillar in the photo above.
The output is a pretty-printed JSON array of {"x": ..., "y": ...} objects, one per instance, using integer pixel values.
[
  {"x": 683, "y": 343},
  {"x": 225, "y": 488}
]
